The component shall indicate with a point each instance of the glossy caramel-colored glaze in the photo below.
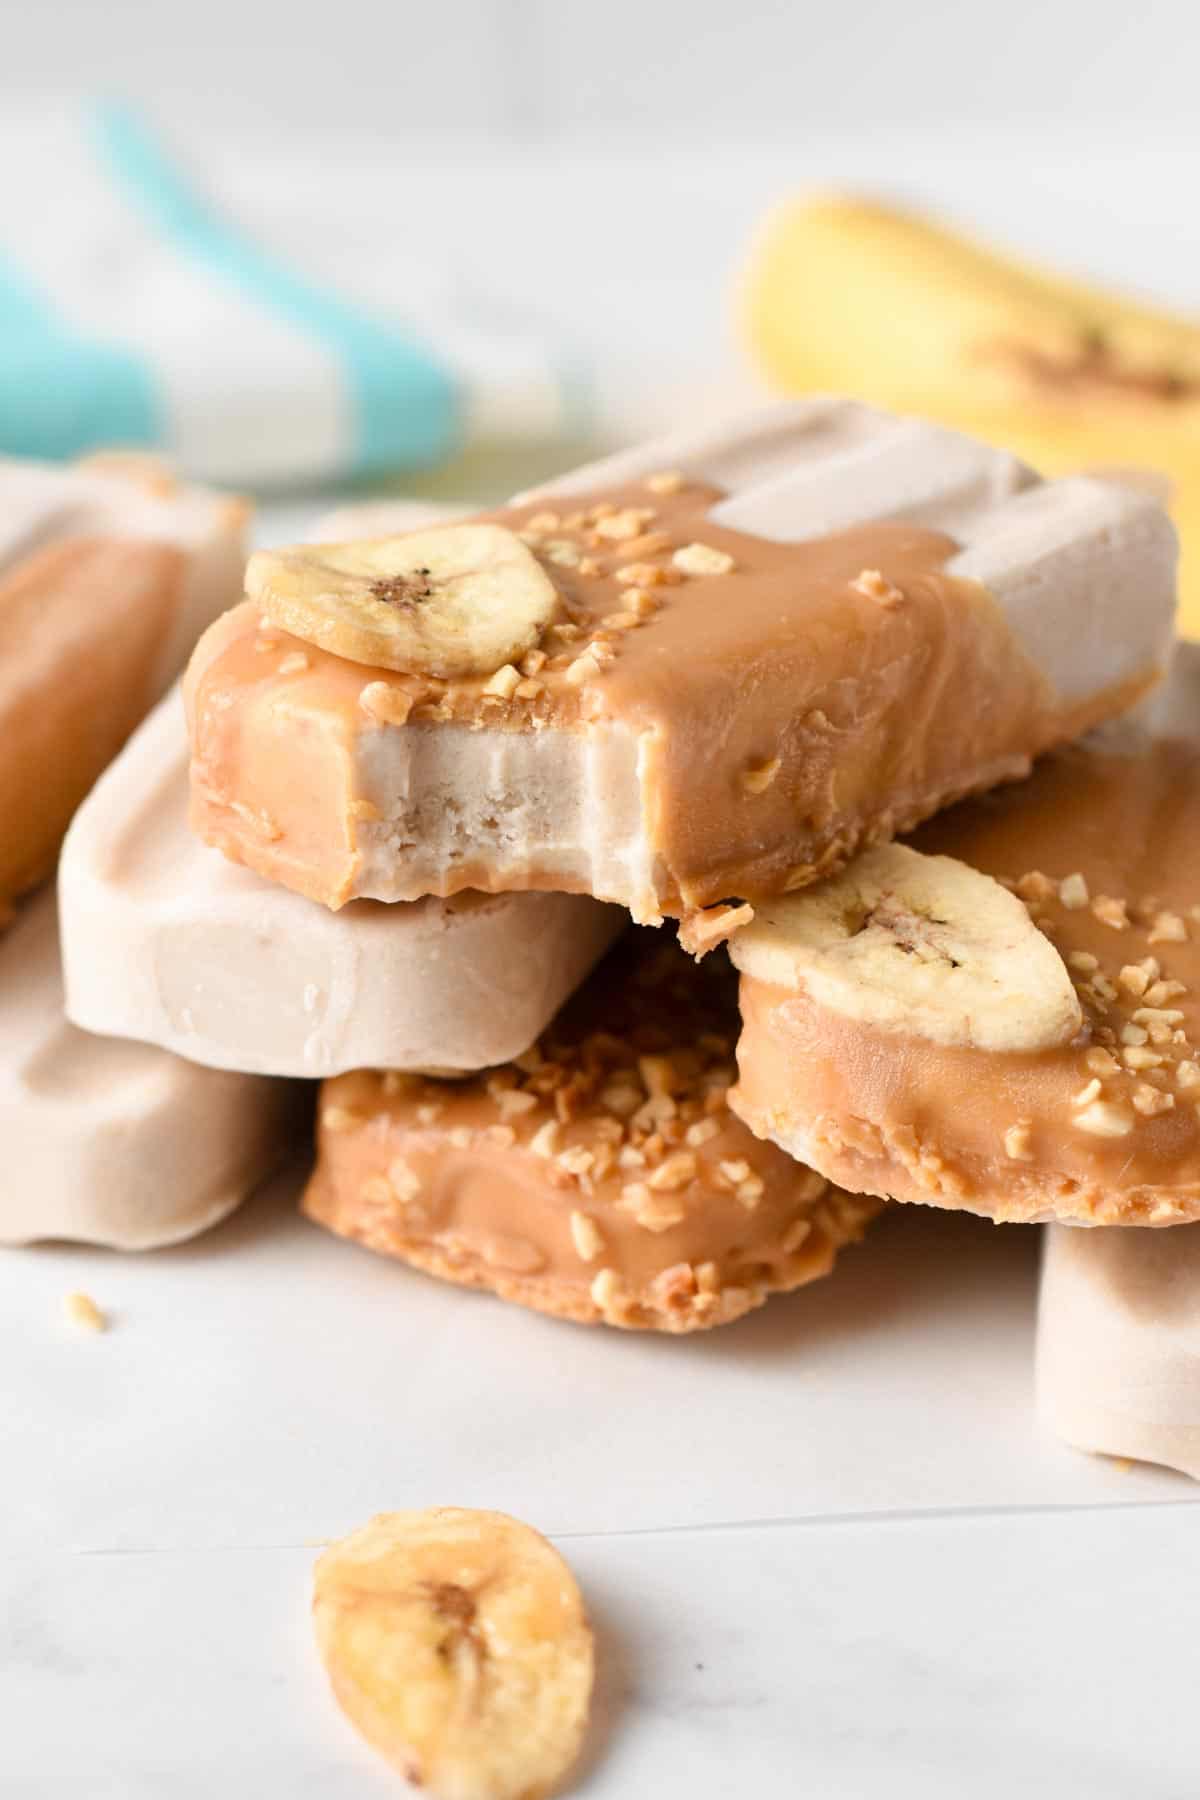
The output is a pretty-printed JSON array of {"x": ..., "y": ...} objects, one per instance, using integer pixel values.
[
  {"x": 600, "y": 1177},
  {"x": 81, "y": 629},
  {"x": 790, "y": 701},
  {"x": 1103, "y": 844}
]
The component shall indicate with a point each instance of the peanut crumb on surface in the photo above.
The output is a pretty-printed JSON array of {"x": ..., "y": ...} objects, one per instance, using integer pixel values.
[
  {"x": 386, "y": 704},
  {"x": 1110, "y": 911},
  {"x": 795, "y": 1235},
  {"x": 647, "y": 575},
  {"x": 1168, "y": 928},
  {"x": 627, "y": 522},
  {"x": 562, "y": 553},
  {"x": 584, "y": 668},
  {"x": 1104, "y": 1118},
  {"x": 1035, "y": 886},
  {"x": 586, "y": 1237},
  {"x": 874, "y": 584},
  {"x": 504, "y": 682},
  {"x": 1073, "y": 892},
  {"x": 667, "y": 481},
  {"x": 759, "y": 776},
  {"x": 1134, "y": 979},
  {"x": 703, "y": 930},
  {"x": 340, "y": 1118},
  {"x": 81, "y": 1311},
  {"x": 605, "y": 1288},
  {"x": 702, "y": 559},
  {"x": 1018, "y": 1141}
]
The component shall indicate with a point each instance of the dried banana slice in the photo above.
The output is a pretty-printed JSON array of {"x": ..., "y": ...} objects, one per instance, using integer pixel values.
[
  {"x": 454, "y": 600},
  {"x": 457, "y": 1643},
  {"x": 921, "y": 944}
]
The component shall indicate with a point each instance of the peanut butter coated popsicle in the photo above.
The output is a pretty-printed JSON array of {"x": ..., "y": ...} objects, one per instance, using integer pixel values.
[
  {"x": 1004, "y": 1015},
  {"x": 109, "y": 571},
  {"x": 601, "y": 1176},
  {"x": 710, "y": 669}
]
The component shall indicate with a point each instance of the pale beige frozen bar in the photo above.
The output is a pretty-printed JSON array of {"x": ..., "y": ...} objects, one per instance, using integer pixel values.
[
  {"x": 1118, "y": 1343},
  {"x": 166, "y": 941},
  {"x": 766, "y": 711},
  {"x": 108, "y": 574},
  {"x": 116, "y": 1143}
]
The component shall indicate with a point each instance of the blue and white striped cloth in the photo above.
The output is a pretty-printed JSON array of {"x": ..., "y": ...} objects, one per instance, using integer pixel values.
[{"x": 134, "y": 312}]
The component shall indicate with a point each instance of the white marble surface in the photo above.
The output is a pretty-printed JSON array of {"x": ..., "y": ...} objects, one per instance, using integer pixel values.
[
  {"x": 828, "y": 1548},
  {"x": 1047, "y": 1656}
]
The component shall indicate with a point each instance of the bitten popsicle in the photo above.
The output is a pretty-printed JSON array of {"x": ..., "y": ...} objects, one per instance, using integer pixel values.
[
  {"x": 166, "y": 941},
  {"x": 712, "y": 668}
]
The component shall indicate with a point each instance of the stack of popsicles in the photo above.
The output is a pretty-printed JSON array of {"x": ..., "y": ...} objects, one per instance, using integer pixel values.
[
  {"x": 108, "y": 571},
  {"x": 698, "y": 691}
]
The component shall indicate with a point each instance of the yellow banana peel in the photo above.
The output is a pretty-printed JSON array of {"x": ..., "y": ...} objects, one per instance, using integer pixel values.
[{"x": 848, "y": 296}]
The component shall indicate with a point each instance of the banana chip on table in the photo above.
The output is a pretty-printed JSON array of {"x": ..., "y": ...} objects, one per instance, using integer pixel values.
[
  {"x": 456, "y": 1642},
  {"x": 842, "y": 292}
]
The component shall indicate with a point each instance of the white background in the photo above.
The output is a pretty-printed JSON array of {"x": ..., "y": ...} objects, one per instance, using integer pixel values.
[
  {"x": 601, "y": 167},
  {"x": 533, "y": 69}
]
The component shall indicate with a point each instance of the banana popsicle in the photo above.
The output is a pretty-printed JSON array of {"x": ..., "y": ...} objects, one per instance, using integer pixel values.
[
  {"x": 1118, "y": 1343},
  {"x": 1004, "y": 1014},
  {"x": 109, "y": 571},
  {"x": 166, "y": 941},
  {"x": 114, "y": 1143},
  {"x": 713, "y": 667}
]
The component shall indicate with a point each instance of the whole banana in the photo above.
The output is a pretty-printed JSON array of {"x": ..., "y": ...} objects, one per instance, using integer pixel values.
[{"x": 846, "y": 295}]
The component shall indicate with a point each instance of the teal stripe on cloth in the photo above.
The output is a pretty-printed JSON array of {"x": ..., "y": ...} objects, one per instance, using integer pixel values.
[
  {"x": 406, "y": 403},
  {"x": 60, "y": 393}
]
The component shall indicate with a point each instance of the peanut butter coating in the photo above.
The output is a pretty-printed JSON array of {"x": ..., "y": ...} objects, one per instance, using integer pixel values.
[
  {"x": 81, "y": 627},
  {"x": 1103, "y": 844},
  {"x": 602, "y": 1177},
  {"x": 789, "y": 702}
]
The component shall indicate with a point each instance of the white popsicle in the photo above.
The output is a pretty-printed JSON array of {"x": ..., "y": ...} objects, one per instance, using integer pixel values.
[
  {"x": 116, "y": 1143},
  {"x": 1118, "y": 1346}
]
